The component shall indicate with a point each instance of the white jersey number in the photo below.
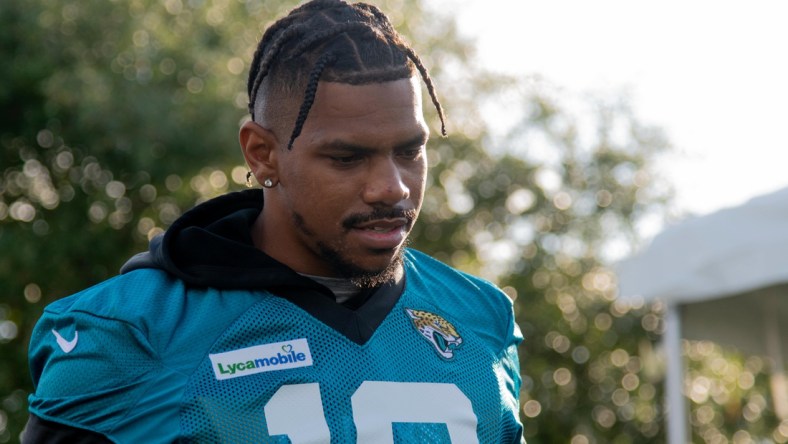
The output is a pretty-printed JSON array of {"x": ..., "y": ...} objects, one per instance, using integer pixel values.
[{"x": 376, "y": 406}]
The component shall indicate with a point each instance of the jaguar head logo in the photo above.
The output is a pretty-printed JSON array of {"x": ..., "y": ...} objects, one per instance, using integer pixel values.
[{"x": 438, "y": 331}]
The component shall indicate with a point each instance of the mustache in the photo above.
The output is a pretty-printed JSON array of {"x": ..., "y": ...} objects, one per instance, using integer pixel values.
[{"x": 377, "y": 214}]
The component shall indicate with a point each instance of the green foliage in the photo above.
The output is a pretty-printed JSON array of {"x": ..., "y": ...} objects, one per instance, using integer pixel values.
[{"x": 119, "y": 115}]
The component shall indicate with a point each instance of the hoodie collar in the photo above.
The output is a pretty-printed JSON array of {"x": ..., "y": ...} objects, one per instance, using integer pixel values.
[{"x": 211, "y": 245}]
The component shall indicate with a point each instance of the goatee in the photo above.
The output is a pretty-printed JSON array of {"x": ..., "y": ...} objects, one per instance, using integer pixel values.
[{"x": 361, "y": 277}]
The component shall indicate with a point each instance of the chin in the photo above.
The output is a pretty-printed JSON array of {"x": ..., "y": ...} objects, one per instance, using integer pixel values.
[
  {"x": 377, "y": 277},
  {"x": 381, "y": 267}
]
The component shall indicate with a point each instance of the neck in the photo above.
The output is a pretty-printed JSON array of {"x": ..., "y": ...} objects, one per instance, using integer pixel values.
[{"x": 343, "y": 288}]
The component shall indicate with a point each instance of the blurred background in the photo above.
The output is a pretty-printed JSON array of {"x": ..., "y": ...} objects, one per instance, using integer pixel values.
[{"x": 577, "y": 132}]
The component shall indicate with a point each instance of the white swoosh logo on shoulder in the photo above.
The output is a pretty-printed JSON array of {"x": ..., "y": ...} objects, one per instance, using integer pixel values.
[{"x": 66, "y": 346}]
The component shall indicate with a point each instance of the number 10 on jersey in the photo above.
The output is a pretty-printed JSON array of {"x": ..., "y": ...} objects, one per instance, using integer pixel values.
[{"x": 297, "y": 411}]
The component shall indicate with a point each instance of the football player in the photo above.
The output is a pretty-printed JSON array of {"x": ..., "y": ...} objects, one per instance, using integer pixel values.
[{"x": 295, "y": 312}]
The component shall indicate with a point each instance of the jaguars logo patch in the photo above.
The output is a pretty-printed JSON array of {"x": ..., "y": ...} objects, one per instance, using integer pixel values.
[{"x": 437, "y": 331}]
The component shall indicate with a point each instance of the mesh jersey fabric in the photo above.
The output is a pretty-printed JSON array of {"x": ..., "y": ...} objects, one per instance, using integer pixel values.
[{"x": 143, "y": 367}]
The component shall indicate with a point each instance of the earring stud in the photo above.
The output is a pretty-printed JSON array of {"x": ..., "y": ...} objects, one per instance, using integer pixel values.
[{"x": 268, "y": 183}]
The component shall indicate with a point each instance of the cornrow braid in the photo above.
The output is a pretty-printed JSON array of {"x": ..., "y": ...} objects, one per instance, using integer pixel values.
[
  {"x": 334, "y": 41},
  {"x": 339, "y": 28},
  {"x": 428, "y": 81},
  {"x": 309, "y": 95}
]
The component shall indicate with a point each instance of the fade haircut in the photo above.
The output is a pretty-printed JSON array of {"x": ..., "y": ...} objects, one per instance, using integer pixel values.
[{"x": 333, "y": 41}]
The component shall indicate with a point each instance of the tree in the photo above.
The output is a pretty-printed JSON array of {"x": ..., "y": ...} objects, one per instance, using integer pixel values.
[{"x": 120, "y": 115}]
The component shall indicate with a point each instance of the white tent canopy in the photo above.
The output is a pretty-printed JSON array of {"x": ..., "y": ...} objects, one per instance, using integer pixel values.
[
  {"x": 724, "y": 253},
  {"x": 723, "y": 277}
]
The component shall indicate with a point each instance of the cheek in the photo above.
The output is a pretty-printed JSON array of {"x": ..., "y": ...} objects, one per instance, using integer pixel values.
[
  {"x": 322, "y": 203},
  {"x": 303, "y": 183}
]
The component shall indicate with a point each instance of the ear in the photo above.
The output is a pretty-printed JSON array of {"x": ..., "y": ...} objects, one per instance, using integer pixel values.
[{"x": 260, "y": 146}]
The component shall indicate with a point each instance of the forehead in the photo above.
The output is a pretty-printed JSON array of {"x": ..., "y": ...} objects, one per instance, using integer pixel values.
[{"x": 385, "y": 110}]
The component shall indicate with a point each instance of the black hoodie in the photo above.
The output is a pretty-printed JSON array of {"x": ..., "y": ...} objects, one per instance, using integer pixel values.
[{"x": 211, "y": 246}]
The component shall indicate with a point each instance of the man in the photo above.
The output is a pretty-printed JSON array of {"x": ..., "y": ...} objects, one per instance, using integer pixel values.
[{"x": 293, "y": 312}]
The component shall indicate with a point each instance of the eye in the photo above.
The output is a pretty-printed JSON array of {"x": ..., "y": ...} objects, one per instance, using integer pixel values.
[
  {"x": 347, "y": 160},
  {"x": 411, "y": 153}
]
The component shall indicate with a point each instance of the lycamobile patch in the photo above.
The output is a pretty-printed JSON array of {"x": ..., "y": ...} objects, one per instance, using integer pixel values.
[{"x": 261, "y": 358}]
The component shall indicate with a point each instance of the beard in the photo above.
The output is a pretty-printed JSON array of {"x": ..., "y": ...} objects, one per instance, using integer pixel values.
[
  {"x": 335, "y": 257},
  {"x": 361, "y": 277}
]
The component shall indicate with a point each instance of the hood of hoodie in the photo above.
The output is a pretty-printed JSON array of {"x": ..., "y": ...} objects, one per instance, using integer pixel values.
[{"x": 211, "y": 246}]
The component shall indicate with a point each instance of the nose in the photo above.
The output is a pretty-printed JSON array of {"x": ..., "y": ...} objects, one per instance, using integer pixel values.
[{"x": 385, "y": 184}]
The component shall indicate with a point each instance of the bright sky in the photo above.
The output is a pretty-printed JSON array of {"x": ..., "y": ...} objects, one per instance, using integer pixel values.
[{"x": 713, "y": 74}]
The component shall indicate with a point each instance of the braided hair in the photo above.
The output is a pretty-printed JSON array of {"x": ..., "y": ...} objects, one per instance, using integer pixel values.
[{"x": 333, "y": 41}]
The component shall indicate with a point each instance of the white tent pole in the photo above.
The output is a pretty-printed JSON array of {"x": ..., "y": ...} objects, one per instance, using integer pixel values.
[
  {"x": 779, "y": 385},
  {"x": 674, "y": 377}
]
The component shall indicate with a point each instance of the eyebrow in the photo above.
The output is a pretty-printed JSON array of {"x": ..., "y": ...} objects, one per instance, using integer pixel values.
[{"x": 418, "y": 140}]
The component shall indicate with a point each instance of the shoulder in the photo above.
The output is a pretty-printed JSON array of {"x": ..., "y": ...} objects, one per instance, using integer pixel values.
[
  {"x": 143, "y": 302},
  {"x": 148, "y": 304},
  {"x": 149, "y": 299},
  {"x": 122, "y": 297},
  {"x": 96, "y": 355},
  {"x": 430, "y": 268},
  {"x": 467, "y": 299},
  {"x": 430, "y": 271},
  {"x": 116, "y": 319},
  {"x": 87, "y": 348}
]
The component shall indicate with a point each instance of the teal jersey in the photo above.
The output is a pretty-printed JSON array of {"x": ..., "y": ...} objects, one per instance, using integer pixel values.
[{"x": 144, "y": 357}]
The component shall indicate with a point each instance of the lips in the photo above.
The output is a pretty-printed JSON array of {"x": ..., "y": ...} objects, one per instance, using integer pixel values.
[
  {"x": 381, "y": 225},
  {"x": 383, "y": 234}
]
